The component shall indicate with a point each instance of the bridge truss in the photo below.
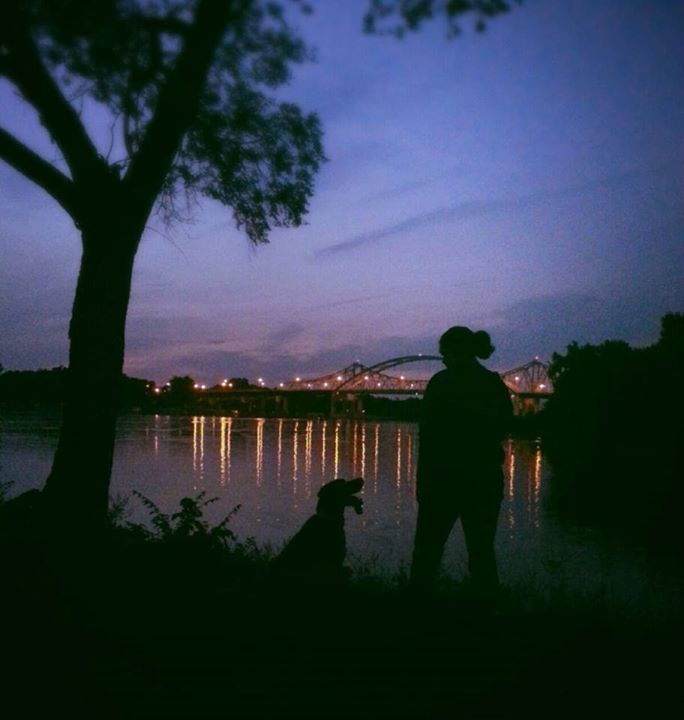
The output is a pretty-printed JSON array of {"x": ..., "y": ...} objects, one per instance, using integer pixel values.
[{"x": 527, "y": 381}]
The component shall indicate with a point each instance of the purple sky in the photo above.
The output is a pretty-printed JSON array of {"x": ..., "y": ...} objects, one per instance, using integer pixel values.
[{"x": 528, "y": 181}]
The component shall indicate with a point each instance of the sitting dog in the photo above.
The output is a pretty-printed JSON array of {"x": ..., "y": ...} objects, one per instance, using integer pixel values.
[{"x": 317, "y": 552}]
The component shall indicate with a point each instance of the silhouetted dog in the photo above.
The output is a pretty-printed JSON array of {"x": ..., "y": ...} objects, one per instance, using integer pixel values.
[{"x": 317, "y": 552}]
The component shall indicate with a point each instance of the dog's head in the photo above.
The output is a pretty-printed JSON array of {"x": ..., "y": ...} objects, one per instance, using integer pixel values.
[{"x": 339, "y": 494}]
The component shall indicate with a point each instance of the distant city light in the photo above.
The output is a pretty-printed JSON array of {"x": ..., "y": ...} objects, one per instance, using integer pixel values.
[
  {"x": 401, "y": 377},
  {"x": 339, "y": 377},
  {"x": 281, "y": 384},
  {"x": 325, "y": 384},
  {"x": 230, "y": 385},
  {"x": 196, "y": 386},
  {"x": 298, "y": 379},
  {"x": 366, "y": 377},
  {"x": 157, "y": 390},
  {"x": 203, "y": 387},
  {"x": 517, "y": 378}
]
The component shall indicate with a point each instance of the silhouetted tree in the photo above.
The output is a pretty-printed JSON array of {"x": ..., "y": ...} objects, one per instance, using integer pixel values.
[
  {"x": 135, "y": 392},
  {"x": 188, "y": 85},
  {"x": 614, "y": 434},
  {"x": 239, "y": 383},
  {"x": 396, "y": 17},
  {"x": 25, "y": 388},
  {"x": 181, "y": 389}
]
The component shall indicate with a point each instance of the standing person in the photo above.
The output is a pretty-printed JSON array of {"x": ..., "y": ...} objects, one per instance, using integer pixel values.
[{"x": 466, "y": 413}]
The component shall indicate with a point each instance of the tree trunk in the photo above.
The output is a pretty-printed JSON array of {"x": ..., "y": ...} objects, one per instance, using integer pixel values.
[{"x": 77, "y": 490}]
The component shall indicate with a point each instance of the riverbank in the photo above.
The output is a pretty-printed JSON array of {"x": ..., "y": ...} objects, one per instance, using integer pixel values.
[{"x": 178, "y": 625}]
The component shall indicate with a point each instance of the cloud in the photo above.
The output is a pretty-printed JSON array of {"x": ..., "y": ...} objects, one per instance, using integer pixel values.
[
  {"x": 279, "y": 339},
  {"x": 274, "y": 364},
  {"x": 473, "y": 209},
  {"x": 548, "y": 324}
]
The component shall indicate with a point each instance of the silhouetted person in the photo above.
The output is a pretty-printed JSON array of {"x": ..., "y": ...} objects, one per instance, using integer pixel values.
[{"x": 466, "y": 412}]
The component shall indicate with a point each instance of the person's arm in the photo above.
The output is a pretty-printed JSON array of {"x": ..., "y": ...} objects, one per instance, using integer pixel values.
[
  {"x": 425, "y": 438},
  {"x": 505, "y": 409}
]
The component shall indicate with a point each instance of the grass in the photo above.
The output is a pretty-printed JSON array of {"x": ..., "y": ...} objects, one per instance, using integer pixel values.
[{"x": 180, "y": 619}]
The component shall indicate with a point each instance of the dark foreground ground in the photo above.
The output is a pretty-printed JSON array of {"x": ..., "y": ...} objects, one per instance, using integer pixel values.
[{"x": 135, "y": 628}]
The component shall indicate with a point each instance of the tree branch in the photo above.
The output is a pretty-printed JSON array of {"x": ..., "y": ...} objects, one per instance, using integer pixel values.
[
  {"x": 178, "y": 103},
  {"x": 39, "y": 171},
  {"x": 32, "y": 79}
]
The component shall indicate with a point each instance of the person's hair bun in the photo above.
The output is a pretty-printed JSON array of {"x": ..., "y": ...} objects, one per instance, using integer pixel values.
[
  {"x": 462, "y": 341},
  {"x": 482, "y": 345}
]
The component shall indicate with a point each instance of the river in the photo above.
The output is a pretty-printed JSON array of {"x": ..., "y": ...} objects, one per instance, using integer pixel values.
[{"x": 273, "y": 468}]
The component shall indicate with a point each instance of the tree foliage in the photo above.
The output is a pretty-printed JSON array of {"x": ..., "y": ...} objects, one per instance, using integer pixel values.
[
  {"x": 396, "y": 17},
  {"x": 613, "y": 433},
  {"x": 177, "y": 129}
]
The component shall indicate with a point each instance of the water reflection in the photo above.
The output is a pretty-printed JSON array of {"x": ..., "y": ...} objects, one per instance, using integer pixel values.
[
  {"x": 198, "y": 448},
  {"x": 273, "y": 468},
  {"x": 324, "y": 428},
  {"x": 386, "y": 451},
  {"x": 279, "y": 454},
  {"x": 259, "y": 462}
]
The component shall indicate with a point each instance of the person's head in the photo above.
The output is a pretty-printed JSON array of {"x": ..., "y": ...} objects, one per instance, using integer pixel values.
[{"x": 460, "y": 344}]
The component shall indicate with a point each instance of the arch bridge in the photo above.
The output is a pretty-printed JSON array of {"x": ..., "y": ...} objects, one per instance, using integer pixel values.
[{"x": 529, "y": 384}]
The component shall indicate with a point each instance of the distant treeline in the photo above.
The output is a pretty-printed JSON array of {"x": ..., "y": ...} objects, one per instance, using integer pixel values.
[
  {"x": 25, "y": 389},
  {"x": 613, "y": 434}
]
